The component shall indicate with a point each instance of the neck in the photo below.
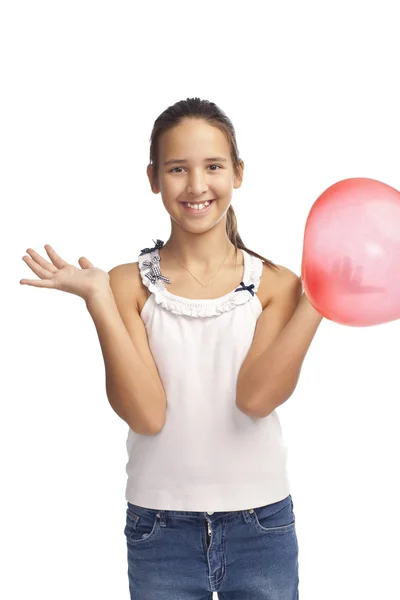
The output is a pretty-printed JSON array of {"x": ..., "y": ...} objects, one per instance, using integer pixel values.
[{"x": 203, "y": 250}]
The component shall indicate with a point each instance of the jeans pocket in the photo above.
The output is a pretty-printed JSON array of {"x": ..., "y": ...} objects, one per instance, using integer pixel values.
[
  {"x": 275, "y": 518},
  {"x": 142, "y": 524}
]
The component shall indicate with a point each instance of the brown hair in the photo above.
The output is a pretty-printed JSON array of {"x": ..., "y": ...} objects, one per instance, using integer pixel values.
[{"x": 210, "y": 112}]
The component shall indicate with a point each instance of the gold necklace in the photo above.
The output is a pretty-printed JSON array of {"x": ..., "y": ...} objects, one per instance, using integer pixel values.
[{"x": 196, "y": 277}]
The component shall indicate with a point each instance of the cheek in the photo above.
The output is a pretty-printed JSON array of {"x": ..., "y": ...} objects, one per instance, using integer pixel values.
[{"x": 173, "y": 187}]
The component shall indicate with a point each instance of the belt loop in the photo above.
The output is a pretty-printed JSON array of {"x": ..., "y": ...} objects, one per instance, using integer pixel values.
[
  {"x": 247, "y": 514},
  {"x": 162, "y": 518}
]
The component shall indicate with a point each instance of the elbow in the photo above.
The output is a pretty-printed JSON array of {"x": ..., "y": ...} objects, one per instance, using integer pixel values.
[
  {"x": 260, "y": 407},
  {"x": 156, "y": 422},
  {"x": 157, "y": 428},
  {"x": 147, "y": 429},
  {"x": 253, "y": 407},
  {"x": 152, "y": 423},
  {"x": 254, "y": 412},
  {"x": 250, "y": 403},
  {"x": 149, "y": 423}
]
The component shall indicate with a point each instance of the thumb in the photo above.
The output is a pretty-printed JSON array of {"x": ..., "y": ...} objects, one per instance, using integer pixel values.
[{"x": 85, "y": 263}]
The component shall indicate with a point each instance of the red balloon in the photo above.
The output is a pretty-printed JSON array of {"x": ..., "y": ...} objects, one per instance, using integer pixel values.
[{"x": 351, "y": 253}]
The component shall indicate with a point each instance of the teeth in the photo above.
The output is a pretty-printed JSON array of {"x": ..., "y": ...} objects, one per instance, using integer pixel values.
[{"x": 198, "y": 206}]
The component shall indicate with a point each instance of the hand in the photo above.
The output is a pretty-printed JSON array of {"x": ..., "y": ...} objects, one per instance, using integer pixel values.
[
  {"x": 349, "y": 278},
  {"x": 60, "y": 275}
]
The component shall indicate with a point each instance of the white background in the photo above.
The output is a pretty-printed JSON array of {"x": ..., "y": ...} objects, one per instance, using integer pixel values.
[{"x": 313, "y": 92}]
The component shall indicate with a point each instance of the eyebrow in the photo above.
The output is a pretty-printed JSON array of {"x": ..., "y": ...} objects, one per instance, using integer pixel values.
[{"x": 175, "y": 161}]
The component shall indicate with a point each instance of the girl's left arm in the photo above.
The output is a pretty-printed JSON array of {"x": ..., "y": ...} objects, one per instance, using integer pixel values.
[{"x": 283, "y": 335}]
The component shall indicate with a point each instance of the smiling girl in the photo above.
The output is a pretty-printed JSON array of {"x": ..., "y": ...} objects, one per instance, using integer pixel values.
[{"x": 202, "y": 340}]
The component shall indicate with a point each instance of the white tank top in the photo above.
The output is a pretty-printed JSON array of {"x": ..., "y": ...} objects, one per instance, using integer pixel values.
[{"x": 209, "y": 456}]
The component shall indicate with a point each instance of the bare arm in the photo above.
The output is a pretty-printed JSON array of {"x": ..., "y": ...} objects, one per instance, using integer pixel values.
[
  {"x": 284, "y": 333},
  {"x": 133, "y": 386}
]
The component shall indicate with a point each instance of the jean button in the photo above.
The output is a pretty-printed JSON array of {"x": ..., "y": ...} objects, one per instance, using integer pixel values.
[{"x": 210, "y": 513}]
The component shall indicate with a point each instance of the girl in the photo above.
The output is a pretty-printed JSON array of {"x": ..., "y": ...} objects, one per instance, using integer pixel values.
[{"x": 202, "y": 340}]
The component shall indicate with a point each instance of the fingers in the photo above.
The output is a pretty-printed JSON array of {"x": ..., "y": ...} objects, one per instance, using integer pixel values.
[
  {"x": 57, "y": 260},
  {"x": 84, "y": 261},
  {"x": 37, "y": 282},
  {"x": 39, "y": 260},
  {"x": 42, "y": 267},
  {"x": 41, "y": 272}
]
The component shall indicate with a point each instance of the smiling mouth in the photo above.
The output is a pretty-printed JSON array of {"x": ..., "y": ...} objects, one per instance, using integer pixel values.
[
  {"x": 202, "y": 203},
  {"x": 202, "y": 207}
]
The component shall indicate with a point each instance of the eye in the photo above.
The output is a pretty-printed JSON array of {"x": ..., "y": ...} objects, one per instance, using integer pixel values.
[{"x": 174, "y": 169}]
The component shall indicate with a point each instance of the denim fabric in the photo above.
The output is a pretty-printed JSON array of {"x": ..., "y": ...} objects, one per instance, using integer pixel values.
[{"x": 241, "y": 555}]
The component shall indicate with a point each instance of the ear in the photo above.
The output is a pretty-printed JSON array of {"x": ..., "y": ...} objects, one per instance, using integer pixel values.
[
  {"x": 238, "y": 179},
  {"x": 153, "y": 184}
]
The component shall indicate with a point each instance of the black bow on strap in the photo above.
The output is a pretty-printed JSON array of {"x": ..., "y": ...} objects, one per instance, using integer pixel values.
[
  {"x": 249, "y": 288},
  {"x": 158, "y": 244}
]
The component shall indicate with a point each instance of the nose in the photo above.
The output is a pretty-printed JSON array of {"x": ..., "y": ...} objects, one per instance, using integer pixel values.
[{"x": 197, "y": 184}]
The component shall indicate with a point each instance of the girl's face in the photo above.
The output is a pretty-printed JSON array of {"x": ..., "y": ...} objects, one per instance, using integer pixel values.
[{"x": 203, "y": 171}]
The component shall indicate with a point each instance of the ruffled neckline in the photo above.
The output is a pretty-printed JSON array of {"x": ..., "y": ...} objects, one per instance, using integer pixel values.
[{"x": 150, "y": 264}]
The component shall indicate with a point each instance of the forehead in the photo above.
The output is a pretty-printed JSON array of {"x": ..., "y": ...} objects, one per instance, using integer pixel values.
[{"x": 193, "y": 139}]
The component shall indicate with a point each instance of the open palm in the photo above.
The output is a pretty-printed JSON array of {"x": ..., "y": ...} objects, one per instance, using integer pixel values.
[{"x": 60, "y": 275}]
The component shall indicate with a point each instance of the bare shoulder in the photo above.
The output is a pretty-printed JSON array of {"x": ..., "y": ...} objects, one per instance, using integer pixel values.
[
  {"x": 279, "y": 282},
  {"x": 285, "y": 278},
  {"x": 126, "y": 282}
]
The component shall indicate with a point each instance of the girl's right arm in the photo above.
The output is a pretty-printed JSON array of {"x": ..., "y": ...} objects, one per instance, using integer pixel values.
[{"x": 133, "y": 384}]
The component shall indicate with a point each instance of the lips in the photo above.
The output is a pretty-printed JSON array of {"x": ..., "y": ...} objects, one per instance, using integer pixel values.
[{"x": 198, "y": 212}]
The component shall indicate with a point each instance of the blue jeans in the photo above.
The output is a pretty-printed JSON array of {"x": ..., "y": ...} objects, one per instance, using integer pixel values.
[{"x": 247, "y": 554}]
